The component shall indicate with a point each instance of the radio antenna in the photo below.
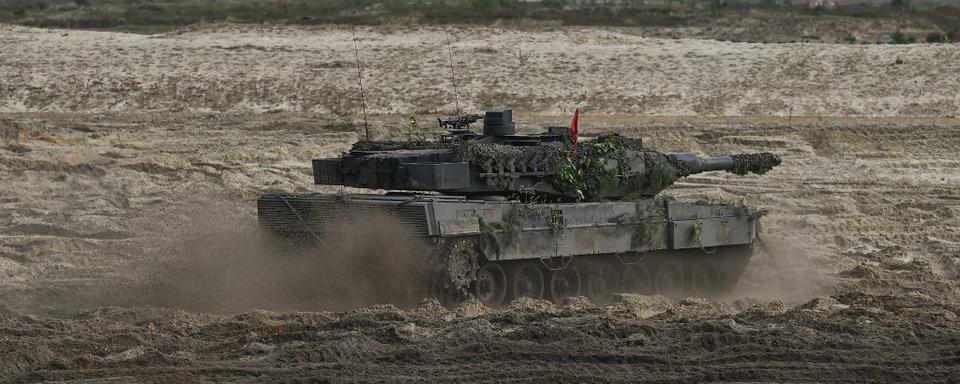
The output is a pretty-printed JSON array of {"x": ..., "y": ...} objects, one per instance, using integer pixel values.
[
  {"x": 363, "y": 101},
  {"x": 453, "y": 73}
]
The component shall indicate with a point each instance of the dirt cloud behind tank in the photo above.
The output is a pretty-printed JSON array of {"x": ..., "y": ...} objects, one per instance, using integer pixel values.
[{"x": 216, "y": 259}]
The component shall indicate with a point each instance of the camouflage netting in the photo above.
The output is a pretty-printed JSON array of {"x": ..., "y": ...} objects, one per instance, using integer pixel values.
[
  {"x": 591, "y": 177},
  {"x": 586, "y": 173},
  {"x": 391, "y": 145},
  {"x": 662, "y": 172},
  {"x": 758, "y": 163},
  {"x": 596, "y": 169},
  {"x": 499, "y": 158}
]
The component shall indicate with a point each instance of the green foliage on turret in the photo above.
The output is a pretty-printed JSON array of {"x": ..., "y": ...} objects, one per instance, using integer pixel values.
[
  {"x": 591, "y": 170},
  {"x": 600, "y": 169},
  {"x": 660, "y": 175},
  {"x": 596, "y": 169}
]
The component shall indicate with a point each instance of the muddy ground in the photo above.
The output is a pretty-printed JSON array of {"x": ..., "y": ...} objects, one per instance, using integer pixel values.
[{"x": 128, "y": 252}]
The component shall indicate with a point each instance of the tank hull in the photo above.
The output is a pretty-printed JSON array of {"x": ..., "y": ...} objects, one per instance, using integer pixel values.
[{"x": 500, "y": 250}]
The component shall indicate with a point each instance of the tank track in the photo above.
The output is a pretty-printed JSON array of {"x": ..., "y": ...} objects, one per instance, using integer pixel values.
[
  {"x": 454, "y": 271},
  {"x": 672, "y": 273}
]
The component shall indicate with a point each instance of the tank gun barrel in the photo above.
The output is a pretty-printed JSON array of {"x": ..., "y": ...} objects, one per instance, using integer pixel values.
[
  {"x": 691, "y": 163},
  {"x": 740, "y": 164}
]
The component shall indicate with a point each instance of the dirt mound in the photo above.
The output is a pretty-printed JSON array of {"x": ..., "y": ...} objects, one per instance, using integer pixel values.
[{"x": 850, "y": 336}]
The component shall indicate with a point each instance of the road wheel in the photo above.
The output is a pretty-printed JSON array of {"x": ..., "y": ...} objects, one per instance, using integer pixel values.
[
  {"x": 491, "y": 285},
  {"x": 528, "y": 281},
  {"x": 599, "y": 282},
  {"x": 636, "y": 279},
  {"x": 668, "y": 280},
  {"x": 462, "y": 263},
  {"x": 702, "y": 278},
  {"x": 730, "y": 263},
  {"x": 565, "y": 283}
]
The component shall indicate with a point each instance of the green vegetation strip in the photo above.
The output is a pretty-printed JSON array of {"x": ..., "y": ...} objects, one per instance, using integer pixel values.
[{"x": 149, "y": 16}]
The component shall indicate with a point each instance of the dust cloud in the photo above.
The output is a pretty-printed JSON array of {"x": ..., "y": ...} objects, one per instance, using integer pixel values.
[
  {"x": 786, "y": 268},
  {"x": 223, "y": 262}
]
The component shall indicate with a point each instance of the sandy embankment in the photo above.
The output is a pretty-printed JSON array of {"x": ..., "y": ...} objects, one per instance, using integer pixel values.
[{"x": 251, "y": 68}]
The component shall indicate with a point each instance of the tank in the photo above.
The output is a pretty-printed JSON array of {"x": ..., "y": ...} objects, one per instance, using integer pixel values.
[{"x": 511, "y": 215}]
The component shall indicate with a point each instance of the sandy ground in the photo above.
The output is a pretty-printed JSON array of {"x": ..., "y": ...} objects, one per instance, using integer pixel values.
[
  {"x": 250, "y": 68},
  {"x": 126, "y": 250}
]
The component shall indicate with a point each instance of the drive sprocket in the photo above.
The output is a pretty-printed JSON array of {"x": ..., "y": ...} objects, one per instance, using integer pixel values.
[{"x": 462, "y": 264}]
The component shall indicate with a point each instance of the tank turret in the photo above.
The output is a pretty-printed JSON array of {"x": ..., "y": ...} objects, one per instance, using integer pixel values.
[{"x": 499, "y": 162}]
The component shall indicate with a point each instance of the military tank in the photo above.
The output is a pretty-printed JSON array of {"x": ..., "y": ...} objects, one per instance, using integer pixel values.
[{"x": 511, "y": 215}]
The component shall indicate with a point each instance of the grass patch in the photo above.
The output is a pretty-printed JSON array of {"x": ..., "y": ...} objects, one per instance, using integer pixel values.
[
  {"x": 902, "y": 38},
  {"x": 158, "y": 15}
]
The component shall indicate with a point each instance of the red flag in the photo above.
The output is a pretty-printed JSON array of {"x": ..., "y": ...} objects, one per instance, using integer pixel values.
[{"x": 573, "y": 127}]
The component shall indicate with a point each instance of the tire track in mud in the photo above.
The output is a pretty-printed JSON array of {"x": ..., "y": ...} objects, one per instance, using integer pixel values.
[{"x": 530, "y": 341}]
